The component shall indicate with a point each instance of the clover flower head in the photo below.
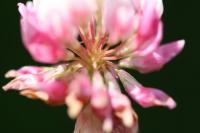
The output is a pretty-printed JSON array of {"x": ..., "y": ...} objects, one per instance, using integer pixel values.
[{"x": 88, "y": 43}]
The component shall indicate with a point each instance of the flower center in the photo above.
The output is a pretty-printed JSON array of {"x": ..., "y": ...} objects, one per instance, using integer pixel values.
[{"x": 94, "y": 51}]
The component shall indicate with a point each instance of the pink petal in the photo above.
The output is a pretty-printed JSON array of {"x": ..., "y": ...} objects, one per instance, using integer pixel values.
[
  {"x": 27, "y": 77},
  {"x": 118, "y": 100},
  {"x": 23, "y": 82},
  {"x": 100, "y": 99},
  {"x": 146, "y": 97},
  {"x": 139, "y": 5},
  {"x": 156, "y": 60},
  {"x": 100, "y": 102},
  {"x": 24, "y": 70},
  {"x": 150, "y": 29},
  {"x": 45, "y": 50},
  {"x": 64, "y": 16},
  {"x": 82, "y": 11},
  {"x": 149, "y": 20},
  {"x": 39, "y": 83},
  {"x": 146, "y": 46},
  {"x": 81, "y": 86},
  {"x": 122, "y": 109},
  {"x": 44, "y": 31},
  {"x": 30, "y": 70},
  {"x": 118, "y": 19},
  {"x": 41, "y": 46},
  {"x": 79, "y": 94},
  {"x": 53, "y": 16},
  {"x": 121, "y": 105},
  {"x": 56, "y": 91}
]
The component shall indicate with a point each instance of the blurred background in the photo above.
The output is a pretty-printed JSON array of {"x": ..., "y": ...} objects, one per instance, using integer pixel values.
[{"x": 179, "y": 78}]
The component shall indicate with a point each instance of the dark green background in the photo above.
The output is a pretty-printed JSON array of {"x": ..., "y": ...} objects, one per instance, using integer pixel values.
[{"x": 179, "y": 78}]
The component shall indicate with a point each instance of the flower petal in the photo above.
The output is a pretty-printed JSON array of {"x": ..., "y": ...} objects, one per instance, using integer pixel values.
[
  {"x": 122, "y": 108},
  {"x": 39, "y": 83},
  {"x": 139, "y": 5},
  {"x": 56, "y": 91},
  {"x": 41, "y": 46},
  {"x": 45, "y": 27},
  {"x": 78, "y": 94},
  {"x": 149, "y": 19},
  {"x": 146, "y": 46},
  {"x": 156, "y": 60},
  {"x": 100, "y": 99},
  {"x": 146, "y": 97},
  {"x": 118, "y": 19},
  {"x": 100, "y": 102},
  {"x": 150, "y": 29},
  {"x": 82, "y": 11}
]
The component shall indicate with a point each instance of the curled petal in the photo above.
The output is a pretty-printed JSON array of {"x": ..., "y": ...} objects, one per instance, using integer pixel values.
[
  {"x": 118, "y": 19},
  {"x": 100, "y": 102},
  {"x": 23, "y": 82},
  {"x": 122, "y": 108},
  {"x": 26, "y": 77},
  {"x": 79, "y": 94},
  {"x": 156, "y": 60},
  {"x": 53, "y": 92},
  {"x": 56, "y": 91},
  {"x": 99, "y": 97},
  {"x": 39, "y": 83},
  {"x": 147, "y": 46},
  {"x": 29, "y": 70},
  {"x": 74, "y": 105},
  {"x": 121, "y": 105},
  {"x": 33, "y": 94},
  {"x": 146, "y": 97}
]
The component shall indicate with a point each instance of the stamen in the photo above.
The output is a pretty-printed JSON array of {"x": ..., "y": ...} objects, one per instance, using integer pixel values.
[
  {"x": 111, "y": 58},
  {"x": 93, "y": 29},
  {"x": 84, "y": 39},
  {"x": 102, "y": 41}
]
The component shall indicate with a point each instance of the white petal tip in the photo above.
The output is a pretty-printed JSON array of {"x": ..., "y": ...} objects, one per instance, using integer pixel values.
[
  {"x": 74, "y": 112},
  {"x": 108, "y": 125},
  {"x": 19, "y": 4},
  {"x": 5, "y": 88},
  {"x": 181, "y": 44},
  {"x": 10, "y": 74},
  {"x": 171, "y": 104},
  {"x": 128, "y": 119},
  {"x": 74, "y": 106}
]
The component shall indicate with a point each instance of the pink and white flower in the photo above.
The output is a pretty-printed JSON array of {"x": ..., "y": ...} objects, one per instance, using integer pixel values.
[{"x": 92, "y": 41}]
